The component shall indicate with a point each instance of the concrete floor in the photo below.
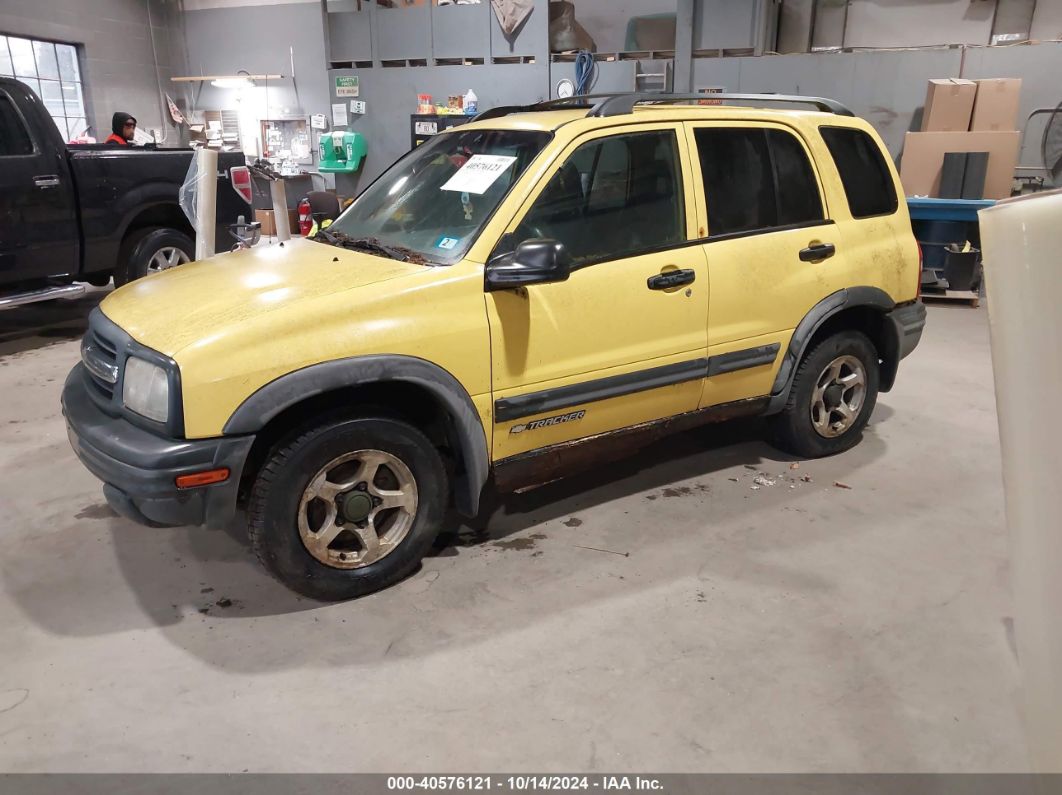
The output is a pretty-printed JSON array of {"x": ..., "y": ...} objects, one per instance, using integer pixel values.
[{"x": 794, "y": 627}]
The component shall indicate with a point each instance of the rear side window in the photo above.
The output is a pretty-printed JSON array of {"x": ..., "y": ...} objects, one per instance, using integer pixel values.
[
  {"x": 756, "y": 180},
  {"x": 864, "y": 174},
  {"x": 14, "y": 138}
]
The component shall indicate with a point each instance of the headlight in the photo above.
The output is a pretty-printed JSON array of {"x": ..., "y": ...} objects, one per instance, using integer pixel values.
[{"x": 146, "y": 389}]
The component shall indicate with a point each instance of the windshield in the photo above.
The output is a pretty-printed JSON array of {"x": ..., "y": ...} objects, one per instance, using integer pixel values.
[{"x": 434, "y": 201}]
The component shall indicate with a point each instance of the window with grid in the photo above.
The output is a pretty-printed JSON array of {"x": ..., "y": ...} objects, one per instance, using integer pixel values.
[{"x": 52, "y": 71}]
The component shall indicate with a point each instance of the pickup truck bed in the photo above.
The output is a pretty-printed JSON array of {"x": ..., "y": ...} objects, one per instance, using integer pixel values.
[
  {"x": 119, "y": 189},
  {"x": 87, "y": 212}
]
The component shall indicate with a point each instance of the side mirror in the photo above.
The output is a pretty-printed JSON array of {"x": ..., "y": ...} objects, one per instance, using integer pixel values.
[{"x": 536, "y": 261}]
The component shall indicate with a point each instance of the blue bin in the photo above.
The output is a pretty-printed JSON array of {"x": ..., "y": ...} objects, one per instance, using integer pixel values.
[{"x": 933, "y": 236}]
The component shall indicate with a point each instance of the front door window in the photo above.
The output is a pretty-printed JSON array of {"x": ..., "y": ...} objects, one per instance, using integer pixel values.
[{"x": 614, "y": 197}]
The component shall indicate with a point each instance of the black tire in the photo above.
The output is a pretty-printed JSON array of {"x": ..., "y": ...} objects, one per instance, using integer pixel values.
[
  {"x": 793, "y": 429},
  {"x": 274, "y": 507},
  {"x": 138, "y": 249}
]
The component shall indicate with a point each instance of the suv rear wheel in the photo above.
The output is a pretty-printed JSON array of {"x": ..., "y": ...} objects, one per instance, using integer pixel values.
[
  {"x": 348, "y": 506},
  {"x": 832, "y": 397}
]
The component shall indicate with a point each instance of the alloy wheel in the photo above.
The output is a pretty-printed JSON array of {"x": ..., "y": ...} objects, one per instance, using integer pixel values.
[
  {"x": 838, "y": 396},
  {"x": 167, "y": 257},
  {"x": 357, "y": 509}
]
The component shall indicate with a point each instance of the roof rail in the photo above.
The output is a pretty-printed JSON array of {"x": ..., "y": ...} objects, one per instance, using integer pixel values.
[
  {"x": 619, "y": 104},
  {"x": 600, "y": 105},
  {"x": 579, "y": 101}
]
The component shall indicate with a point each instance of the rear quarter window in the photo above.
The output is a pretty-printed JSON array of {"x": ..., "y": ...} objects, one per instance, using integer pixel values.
[
  {"x": 867, "y": 181},
  {"x": 14, "y": 137}
]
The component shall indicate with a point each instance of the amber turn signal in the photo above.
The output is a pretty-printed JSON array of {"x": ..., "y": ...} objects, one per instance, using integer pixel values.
[{"x": 202, "y": 478}]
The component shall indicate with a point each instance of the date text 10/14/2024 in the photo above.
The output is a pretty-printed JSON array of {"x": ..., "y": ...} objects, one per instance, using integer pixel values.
[{"x": 524, "y": 783}]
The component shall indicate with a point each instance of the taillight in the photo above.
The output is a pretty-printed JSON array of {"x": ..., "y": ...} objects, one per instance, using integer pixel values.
[
  {"x": 918, "y": 289},
  {"x": 305, "y": 217},
  {"x": 240, "y": 178}
]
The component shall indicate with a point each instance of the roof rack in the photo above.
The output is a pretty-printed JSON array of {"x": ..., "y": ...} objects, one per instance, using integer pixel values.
[
  {"x": 581, "y": 101},
  {"x": 618, "y": 104}
]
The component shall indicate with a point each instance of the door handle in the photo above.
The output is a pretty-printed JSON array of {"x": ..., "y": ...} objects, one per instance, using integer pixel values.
[
  {"x": 817, "y": 252},
  {"x": 665, "y": 281},
  {"x": 46, "y": 181}
]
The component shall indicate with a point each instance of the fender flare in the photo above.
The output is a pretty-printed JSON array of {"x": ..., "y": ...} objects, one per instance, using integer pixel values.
[
  {"x": 829, "y": 306},
  {"x": 142, "y": 199},
  {"x": 467, "y": 430}
]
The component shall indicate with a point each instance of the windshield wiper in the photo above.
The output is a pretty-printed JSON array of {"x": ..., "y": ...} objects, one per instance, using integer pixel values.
[{"x": 370, "y": 244}]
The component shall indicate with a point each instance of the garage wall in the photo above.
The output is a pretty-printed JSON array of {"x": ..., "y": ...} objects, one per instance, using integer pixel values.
[
  {"x": 117, "y": 57},
  {"x": 606, "y": 20},
  {"x": 225, "y": 36},
  {"x": 718, "y": 24},
  {"x": 1047, "y": 21},
  {"x": 1038, "y": 66},
  {"x": 224, "y": 39},
  {"x": 794, "y": 25},
  {"x": 901, "y": 23},
  {"x": 391, "y": 96},
  {"x": 1013, "y": 21},
  {"x": 203, "y": 5},
  {"x": 889, "y": 88},
  {"x": 886, "y": 88},
  {"x": 908, "y": 23},
  {"x": 725, "y": 25},
  {"x": 391, "y": 92}
]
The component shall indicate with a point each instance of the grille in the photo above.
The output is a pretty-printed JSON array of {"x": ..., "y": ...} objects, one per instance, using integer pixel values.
[{"x": 100, "y": 356}]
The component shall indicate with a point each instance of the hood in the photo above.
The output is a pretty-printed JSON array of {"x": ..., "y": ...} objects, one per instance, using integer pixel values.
[
  {"x": 170, "y": 310},
  {"x": 118, "y": 121}
]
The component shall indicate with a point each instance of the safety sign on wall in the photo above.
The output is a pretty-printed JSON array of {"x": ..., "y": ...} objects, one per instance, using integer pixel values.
[{"x": 347, "y": 86}]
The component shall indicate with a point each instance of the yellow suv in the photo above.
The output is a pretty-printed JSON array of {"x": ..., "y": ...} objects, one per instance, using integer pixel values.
[{"x": 518, "y": 297}]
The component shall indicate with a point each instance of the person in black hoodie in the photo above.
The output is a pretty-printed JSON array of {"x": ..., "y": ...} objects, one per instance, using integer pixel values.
[{"x": 122, "y": 128}]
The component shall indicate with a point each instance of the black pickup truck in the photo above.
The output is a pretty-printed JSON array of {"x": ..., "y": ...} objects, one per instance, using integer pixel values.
[{"x": 85, "y": 213}]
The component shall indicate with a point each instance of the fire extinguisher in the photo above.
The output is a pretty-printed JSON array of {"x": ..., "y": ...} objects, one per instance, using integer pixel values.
[{"x": 305, "y": 217}]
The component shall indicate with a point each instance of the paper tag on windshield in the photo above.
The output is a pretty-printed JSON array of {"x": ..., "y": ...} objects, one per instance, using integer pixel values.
[{"x": 479, "y": 173}]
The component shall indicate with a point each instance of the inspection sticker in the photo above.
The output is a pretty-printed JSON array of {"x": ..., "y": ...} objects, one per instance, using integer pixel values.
[
  {"x": 479, "y": 173},
  {"x": 447, "y": 242}
]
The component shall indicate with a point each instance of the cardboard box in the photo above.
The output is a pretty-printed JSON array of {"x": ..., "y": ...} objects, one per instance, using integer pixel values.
[
  {"x": 269, "y": 224},
  {"x": 996, "y": 105},
  {"x": 949, "y": 105},
  {"x": 923, "y": 160},
  {"x": 266, "y": 219}
]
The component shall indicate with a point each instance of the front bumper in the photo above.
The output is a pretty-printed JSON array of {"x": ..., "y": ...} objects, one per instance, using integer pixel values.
[{"x": 138, "y": 467}]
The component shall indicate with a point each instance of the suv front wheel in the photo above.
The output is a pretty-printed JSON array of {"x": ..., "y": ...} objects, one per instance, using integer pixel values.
[
  {"x": 347, "y": 506},
  {"x": 831, "y": 399}
]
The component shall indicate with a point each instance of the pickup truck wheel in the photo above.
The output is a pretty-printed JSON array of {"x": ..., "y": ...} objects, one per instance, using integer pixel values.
[
  {"x": 832, "y": 397},
  {"x": 152, "y": 249},
  {"x": 348, "y": 506}
]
